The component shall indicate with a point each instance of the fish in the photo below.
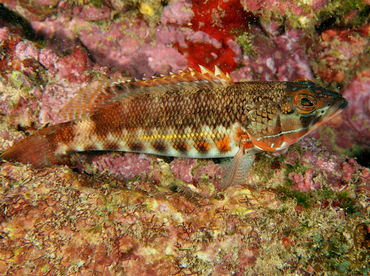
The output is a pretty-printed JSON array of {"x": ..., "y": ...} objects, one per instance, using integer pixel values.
[{"x": 192, "y": 114}]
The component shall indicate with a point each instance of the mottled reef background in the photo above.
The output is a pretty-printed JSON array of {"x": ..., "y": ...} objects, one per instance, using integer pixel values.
[{"x": 302, "y": 212}]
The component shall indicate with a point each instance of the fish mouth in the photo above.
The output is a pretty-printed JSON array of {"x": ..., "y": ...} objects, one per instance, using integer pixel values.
[
  {"x": 344, "y": 104},
  {"x": 337, "y": 107}
]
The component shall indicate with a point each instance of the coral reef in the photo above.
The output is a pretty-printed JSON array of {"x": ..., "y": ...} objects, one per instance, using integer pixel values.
[
  {"x": 303, "y": 211},
  {"x": 59, "y": 221}
]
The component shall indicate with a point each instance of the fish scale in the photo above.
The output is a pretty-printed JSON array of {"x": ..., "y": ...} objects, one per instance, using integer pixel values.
[{"x": 191, "y": 114}]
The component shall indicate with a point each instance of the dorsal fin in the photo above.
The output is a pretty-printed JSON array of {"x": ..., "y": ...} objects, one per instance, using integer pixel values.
[{"x": 102, "y": 93}]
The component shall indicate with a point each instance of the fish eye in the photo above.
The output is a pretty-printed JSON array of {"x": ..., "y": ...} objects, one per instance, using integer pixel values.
[{"x": 304, "y": 102}]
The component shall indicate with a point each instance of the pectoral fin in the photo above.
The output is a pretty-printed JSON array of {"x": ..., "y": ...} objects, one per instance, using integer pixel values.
[{"x": 239, "y": 167}]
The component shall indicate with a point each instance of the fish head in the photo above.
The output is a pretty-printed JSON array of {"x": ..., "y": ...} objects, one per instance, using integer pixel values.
[{"x": 303, "y": 108}]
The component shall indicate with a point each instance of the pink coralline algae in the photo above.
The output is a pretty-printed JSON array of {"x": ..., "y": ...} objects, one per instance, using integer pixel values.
[
  {"x": 195, "y": 172},
  {"x": 182, "y": 168},
  {"x": 358, "y": 112},
  {"x": 340, "y": 51},
  {"x": 179, "y": 12},
  {"x": 280, "y": 58},
  {"x": 126, "y": 45},
  {"x": 255, "y": 5},
  {"x": 304, "y": 183},
  {"x": 25, "y": 50},
  {"x": 124, "y": 167},
  {"x": 323, "y": 167},
  {"x": 281, "y": 7},
  {"x": 92, "y": 13},
  {"x": 210, "y": 172},
  {"x": 74, "y": 67},
  {"x": 35, "y": 10}
]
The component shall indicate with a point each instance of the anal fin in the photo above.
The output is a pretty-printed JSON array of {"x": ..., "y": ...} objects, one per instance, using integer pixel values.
[{"x": 239, "y": 167}]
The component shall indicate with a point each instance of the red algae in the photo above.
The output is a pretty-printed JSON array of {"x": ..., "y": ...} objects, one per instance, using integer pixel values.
[
  {"x": 8, "y": 43},
  {"x": 221, "y": 20}
]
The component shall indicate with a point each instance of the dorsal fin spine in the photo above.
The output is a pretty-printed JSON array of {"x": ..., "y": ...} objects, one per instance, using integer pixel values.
[{"x": 99, "y": 94}]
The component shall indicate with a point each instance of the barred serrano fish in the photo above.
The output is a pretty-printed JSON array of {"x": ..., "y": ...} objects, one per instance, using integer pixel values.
[{"x": 191, "y": 114}]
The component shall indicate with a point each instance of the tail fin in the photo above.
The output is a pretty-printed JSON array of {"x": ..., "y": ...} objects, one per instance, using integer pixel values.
[{"x": 40, "y": 148}]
